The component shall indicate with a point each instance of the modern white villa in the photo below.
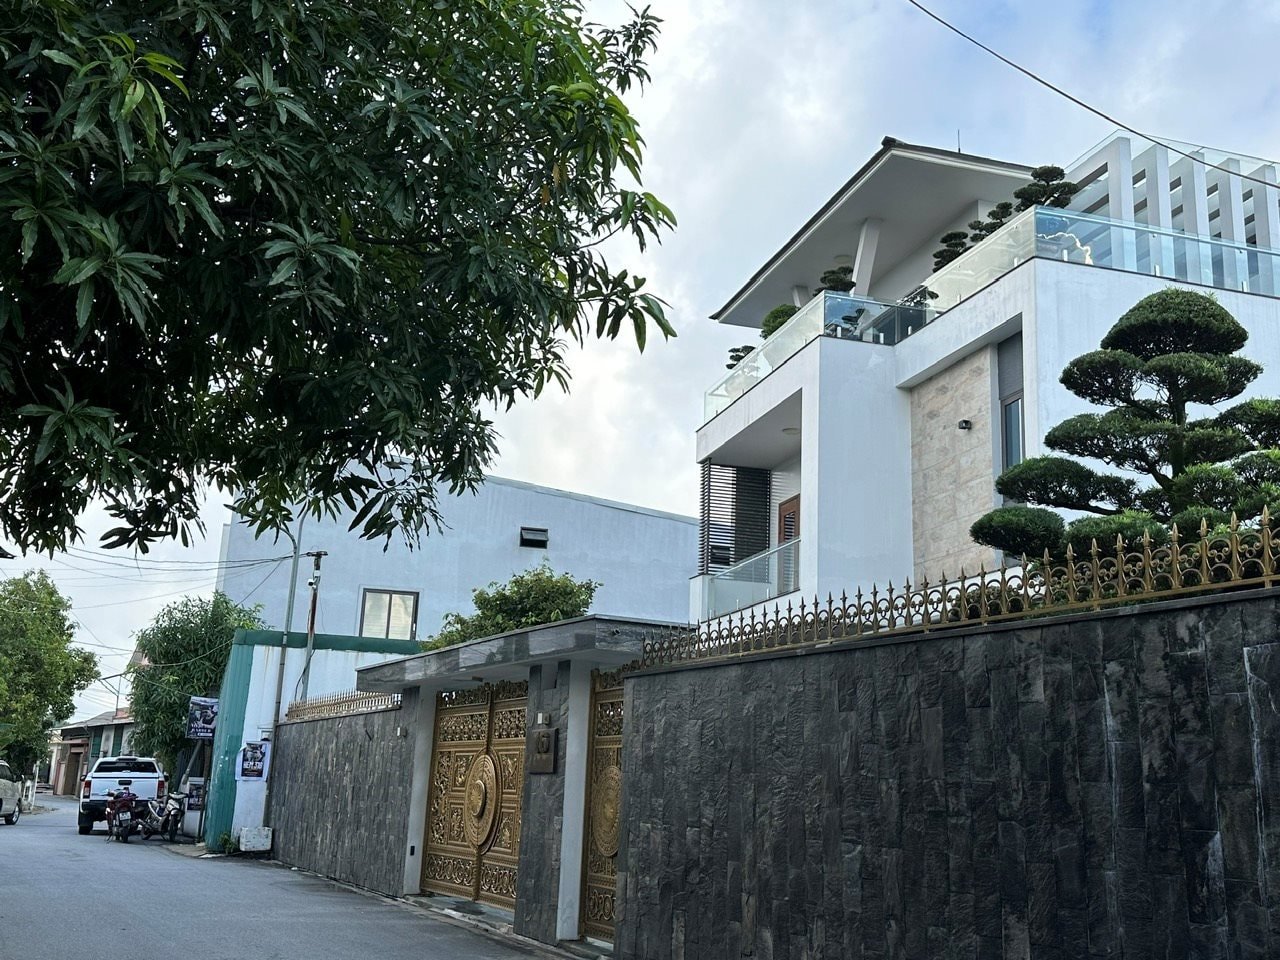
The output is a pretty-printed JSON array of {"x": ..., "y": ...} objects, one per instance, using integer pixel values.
[{"x": 858, "y": 443}]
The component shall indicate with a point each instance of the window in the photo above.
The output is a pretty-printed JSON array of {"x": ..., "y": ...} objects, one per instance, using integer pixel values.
[
  {"x": 125, "y": 765},
  {"x": 4, "y": 772},
  {"x": 534, "y": 537},
  {"x": 389, "y": 615},
  {"x": 1011, "y": 426}
]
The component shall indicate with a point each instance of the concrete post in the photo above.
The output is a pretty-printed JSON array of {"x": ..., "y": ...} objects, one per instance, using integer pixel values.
[
  {"x": 1235, "y": 266},
  {"x": 573, "y": 820},
  {"x": 424, "y": 739},
  {"x": 1119, "y": 159},
  {"x": 865, "y": 258},
  {"x": 1154, "y": 162},
  {"x": 1195, "y": 219},
  {"x": 1266, "y": 224}
]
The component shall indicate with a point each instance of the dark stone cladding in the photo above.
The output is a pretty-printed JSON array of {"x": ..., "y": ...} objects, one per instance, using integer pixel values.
[
  {"x": 340, "y": 795},
  {"x": 542, "y": 811},
  {"x": 1100, "y": 785}
]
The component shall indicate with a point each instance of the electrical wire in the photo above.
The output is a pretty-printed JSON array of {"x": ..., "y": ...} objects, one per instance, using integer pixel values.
[
  {"x": 171, "y": 593},
  {"x": 107, "y": 559},
  {"x": 1081, "y": 103}
]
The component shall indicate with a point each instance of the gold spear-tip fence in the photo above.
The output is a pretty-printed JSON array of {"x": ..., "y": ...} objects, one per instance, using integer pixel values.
[{"x": 1231, "y": 557}]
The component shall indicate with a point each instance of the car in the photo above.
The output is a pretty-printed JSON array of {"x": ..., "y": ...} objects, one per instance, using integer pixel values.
[
  {"x": 142, "y": 775},
  {"x": 10, "y": 794}
]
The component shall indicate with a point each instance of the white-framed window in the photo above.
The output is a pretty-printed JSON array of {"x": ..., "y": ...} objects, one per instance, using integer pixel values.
[{"x": 389, "y": 614}]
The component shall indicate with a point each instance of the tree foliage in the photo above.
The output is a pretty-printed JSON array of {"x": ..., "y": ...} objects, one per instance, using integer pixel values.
[
  {"x": 186, "y": 648},
  {"x": 528, "y": 599},
  {"x": 293, "y": 250},
  {"x": 1049, "y": 187},
  {"x": 1170, "y": 354},
  {"x": 40, "y": 672}
]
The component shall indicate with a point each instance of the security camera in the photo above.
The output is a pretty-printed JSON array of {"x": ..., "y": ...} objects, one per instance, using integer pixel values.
[{"x": 311, "y": 583}]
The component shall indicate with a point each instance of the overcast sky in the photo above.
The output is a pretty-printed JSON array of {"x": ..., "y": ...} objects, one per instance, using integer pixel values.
[{"x": 758, "y": 111}]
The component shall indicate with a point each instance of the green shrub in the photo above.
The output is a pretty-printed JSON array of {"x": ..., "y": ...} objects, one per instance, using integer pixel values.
[
  {"x": 776, "y": 318},
  {"x": 1019, "y": 530}
]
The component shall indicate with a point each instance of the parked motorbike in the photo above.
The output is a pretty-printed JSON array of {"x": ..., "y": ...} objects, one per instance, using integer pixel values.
[
  {"x": 121, "y": 812},
  {"x": 164, "y": 819}
]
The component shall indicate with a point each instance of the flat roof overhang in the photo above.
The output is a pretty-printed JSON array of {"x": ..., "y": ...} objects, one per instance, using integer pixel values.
[
  {"x": 598, "y": 641},
  {"x": 915, "y": 191}
]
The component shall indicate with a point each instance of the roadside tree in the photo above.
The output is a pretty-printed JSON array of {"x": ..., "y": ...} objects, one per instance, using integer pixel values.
[
  {"x": 185, "y": 650},
  {"x": 40, "y": 672},
  {"x": 292, "y": 252}
]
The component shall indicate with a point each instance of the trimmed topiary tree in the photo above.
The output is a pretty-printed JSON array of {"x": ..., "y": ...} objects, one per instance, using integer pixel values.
[
  {"x": 776, "y": 318},
  {"x": 1048, "y": 188},
  {"x": 1171, "y": 352}
]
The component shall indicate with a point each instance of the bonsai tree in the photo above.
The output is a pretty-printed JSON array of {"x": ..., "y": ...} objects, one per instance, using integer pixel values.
[
  {"x": 1171, "y": 352},
  {"x": 738, "y": 354},
  {"x": 1048, "y": 188},
  {"x": 776, "y": 318},
  {"x": 837, "y": 279},
  {"x": 996, "y": 217},
  {"x": 954, "y": 243}
]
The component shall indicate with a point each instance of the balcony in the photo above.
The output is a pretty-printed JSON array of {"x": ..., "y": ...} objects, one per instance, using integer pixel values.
[
  {"x": 1043, "y": 232},
  {"x": 765, "y": 576},
  {"x": 829, "y": 314}
]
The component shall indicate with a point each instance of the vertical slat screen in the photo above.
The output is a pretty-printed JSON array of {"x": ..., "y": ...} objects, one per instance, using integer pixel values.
[{"x": 735, "y": 515}]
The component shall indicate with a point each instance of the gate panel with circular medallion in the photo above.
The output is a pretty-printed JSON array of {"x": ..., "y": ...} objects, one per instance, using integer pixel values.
[
  {"x": 604, "y": 797},
  {"x": 473, "y": 809}
]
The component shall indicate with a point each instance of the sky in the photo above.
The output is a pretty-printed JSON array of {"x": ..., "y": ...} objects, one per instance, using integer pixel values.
[{"x": 758, "y": 111}]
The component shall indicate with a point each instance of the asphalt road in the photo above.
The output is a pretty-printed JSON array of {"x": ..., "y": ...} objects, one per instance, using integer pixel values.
[{"x": 68, "y": 897}]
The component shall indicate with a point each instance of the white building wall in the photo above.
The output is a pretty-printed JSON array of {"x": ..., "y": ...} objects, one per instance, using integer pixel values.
[
  {"x": 642, "y": 558},
  {"x": 858, "y": 472}
]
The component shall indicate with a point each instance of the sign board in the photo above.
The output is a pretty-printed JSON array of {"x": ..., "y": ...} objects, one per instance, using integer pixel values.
[
  {"x": 195, "y": 793},
  {"x": 253, "y": 760},
  {"x": 202, "y": 716}
]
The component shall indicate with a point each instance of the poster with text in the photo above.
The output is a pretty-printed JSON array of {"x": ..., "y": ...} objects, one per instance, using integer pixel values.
[
  {"x": 253, "y": 760},
  {"x": 202, "y": 716}
]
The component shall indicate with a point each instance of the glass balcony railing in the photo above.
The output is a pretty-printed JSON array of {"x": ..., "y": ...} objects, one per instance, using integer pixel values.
[
  {"x": 1043, "y": 232},
  {"x": 773, "y": 573},
  {"x": 829, "y": 314}
]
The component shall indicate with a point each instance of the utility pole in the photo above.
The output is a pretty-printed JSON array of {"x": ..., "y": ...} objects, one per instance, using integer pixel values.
[
  {"x": 284, "y": 654},
  {"x": 314, "y": 584}
]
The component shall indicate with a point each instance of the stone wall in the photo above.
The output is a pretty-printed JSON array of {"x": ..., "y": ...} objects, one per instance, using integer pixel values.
[
  {"x": 1100, "y": 785},
  {"x": 340, "y": 795},
  {"x": 542, "y": 811},
  {"x": 952, "y": 470}
]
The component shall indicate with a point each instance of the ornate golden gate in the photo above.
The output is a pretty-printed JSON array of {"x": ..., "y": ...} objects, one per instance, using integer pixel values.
[
  {"x": 604, "y": 796},
  {"x": 477, "y": 778}
]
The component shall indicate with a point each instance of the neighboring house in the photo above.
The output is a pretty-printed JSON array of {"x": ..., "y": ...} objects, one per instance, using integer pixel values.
[
  {"x": 78, "y": 745},
  {"x": 859, "y": 443},
  {"x": 376, "y": 603}
]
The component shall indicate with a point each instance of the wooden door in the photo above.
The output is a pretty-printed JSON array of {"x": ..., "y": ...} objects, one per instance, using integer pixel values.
[{"x": 789, "y": 519}]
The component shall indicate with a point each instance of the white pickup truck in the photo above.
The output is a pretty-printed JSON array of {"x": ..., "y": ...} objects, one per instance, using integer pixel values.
[{"x": 142, "y": 775}]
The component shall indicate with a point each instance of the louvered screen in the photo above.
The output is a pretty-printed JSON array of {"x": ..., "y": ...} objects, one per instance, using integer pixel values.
[{"x": 735, "y": 515}]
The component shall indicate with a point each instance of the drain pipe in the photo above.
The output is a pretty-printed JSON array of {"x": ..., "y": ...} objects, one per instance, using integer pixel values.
[{"x": 284, "y": 651}]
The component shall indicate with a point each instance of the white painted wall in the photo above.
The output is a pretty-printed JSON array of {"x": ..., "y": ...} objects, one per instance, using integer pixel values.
[
  {"x": 858, "y": 473},
  {"x": 642, "y": 557}
]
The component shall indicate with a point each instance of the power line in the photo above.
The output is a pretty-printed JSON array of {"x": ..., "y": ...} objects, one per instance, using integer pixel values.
[
  {"x": 160, "y": 596},
  {"x": 117, "y": 560},
  {"x": 1080, "y": 103}
]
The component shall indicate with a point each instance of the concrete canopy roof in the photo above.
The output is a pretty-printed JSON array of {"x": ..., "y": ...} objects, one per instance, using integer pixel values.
[
  {"x": 916, "y": 191},
  {"x": 598, "y": 641}
]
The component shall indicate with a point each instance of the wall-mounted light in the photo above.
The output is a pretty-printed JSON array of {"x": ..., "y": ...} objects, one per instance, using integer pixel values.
[
  {"x": 791, "y": 431},
  {"x": 965, "y": 425}
]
